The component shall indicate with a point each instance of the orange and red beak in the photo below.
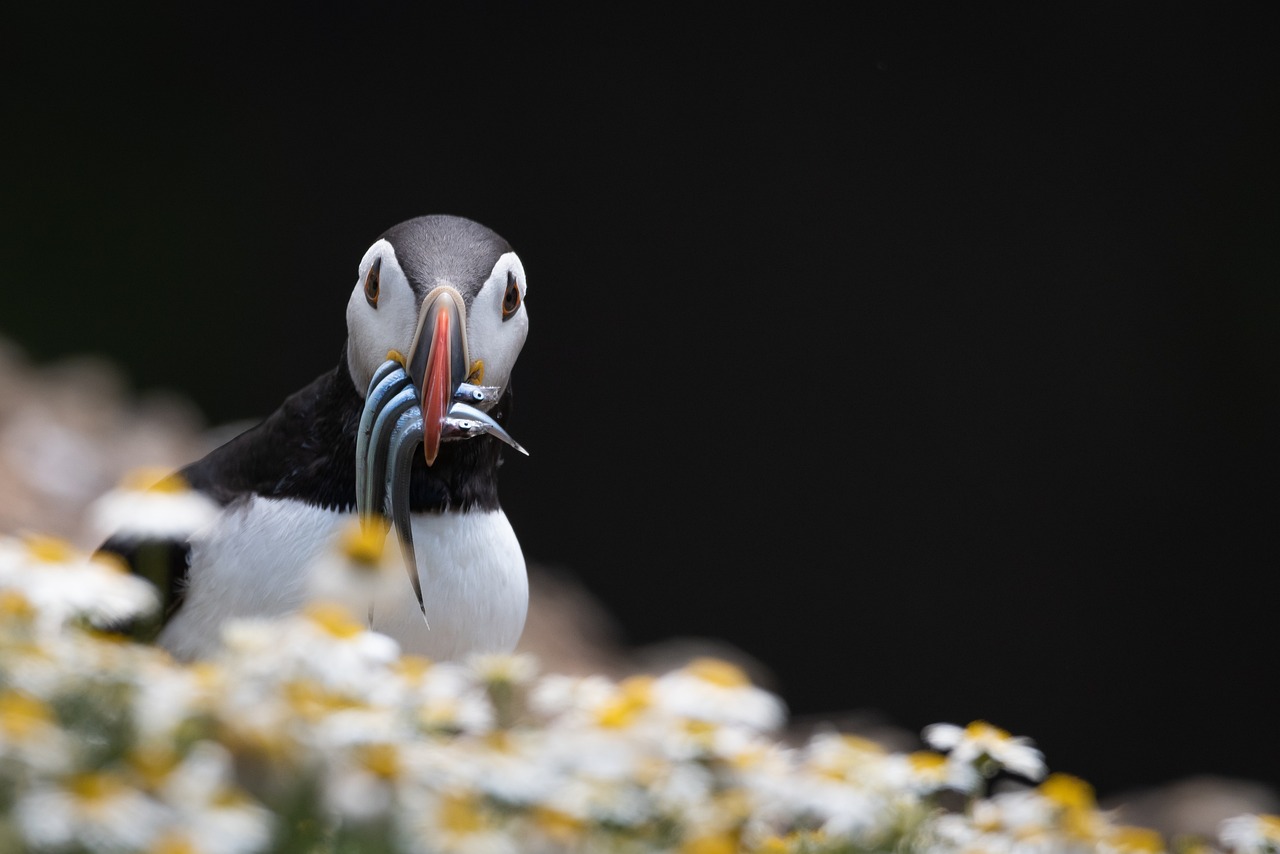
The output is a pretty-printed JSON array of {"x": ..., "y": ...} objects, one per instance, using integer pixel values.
[{"x": 438, "y": 362}]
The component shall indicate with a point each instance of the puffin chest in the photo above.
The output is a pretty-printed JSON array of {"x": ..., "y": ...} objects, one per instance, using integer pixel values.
[{"x": 257, "y": 561}]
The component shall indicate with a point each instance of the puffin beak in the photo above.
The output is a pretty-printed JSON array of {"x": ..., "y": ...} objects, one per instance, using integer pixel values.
[{"x": 438, "y": 362}]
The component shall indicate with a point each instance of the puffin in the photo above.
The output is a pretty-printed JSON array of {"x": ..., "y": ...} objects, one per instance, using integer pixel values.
[{"x": 404, "y": 435}]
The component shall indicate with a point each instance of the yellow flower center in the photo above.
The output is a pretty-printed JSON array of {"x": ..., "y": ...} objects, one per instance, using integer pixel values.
[
  {"x": 461, "y": 814},
  {"x": 154, "y": 479},
  {"x": 412, "y": 667},
  {"x": 635, "y": 694},
  {"x": 699, "y": 729},
  {"x": 500, "y": 741},
  {"x": 381, "y": 760},
  {"x": 363, "y": 544},
  {"x": 1138, "y": 840},
  {"x": 334, "y": 619},
  {"x": 207, "y": 675},
  {"x": 22, "y": 716},
  {"x": 153, "y": 764},
  {"x": 440, "y": 713},
  {"x": 718, "y": 672},
  {"x": 715, "y": 843},
  {"x": 93, "y": 786},
  {"x": 983, "y": 731},
  {"x": 110, "y": 562},
  {"x": 558, "y": 825},
  {"x": 927, "y": 762},
  {"x": 773, "y": 845},
  {"x": 230, "y": 798},
  {"x": 49, "y": 549},
  {"x": 312, "y": 700},
  {"x": 14, "y": 605},
  {"x": 172, "y": 843},
  {"x": 1068, "y": 791}
]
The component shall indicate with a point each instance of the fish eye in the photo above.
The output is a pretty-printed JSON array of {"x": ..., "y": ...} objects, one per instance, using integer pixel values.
[
  {"x": 371, "y": 283},
  {"x": 511, "y": 299}
]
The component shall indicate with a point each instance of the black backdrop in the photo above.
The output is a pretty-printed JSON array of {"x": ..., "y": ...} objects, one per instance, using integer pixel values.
[{"x": 929, "y": 358}]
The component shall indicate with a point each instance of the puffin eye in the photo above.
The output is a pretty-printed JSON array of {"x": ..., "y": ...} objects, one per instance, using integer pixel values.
[
  {"x": 511, "y": 299},
  {"x": 371, "y": 283}
]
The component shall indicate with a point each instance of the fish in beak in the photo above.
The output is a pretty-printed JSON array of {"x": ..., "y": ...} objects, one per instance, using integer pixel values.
[{"x": 425, "y": 400}]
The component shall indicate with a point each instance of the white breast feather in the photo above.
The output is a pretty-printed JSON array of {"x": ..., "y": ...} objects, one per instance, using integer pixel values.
[{"x": 256, "y": 559}]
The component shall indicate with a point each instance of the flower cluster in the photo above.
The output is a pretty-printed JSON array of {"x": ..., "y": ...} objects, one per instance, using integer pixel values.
[{"x": 312, "y": 734}]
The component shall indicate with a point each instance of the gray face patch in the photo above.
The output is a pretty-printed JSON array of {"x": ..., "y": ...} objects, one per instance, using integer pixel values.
[{"x": 441, "y": 249}]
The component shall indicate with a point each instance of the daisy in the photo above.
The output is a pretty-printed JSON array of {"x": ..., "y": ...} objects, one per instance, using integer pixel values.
[
  {"x": 497, "y": 668},
  {"x": 93, "y": 811},
  {"x": 925, "y": 772},
  {"x": 29, "y": 733},
  {"x": 717, "y": 692},
  {"x": 63, "y": 584},
  {"x": 208, "y": 811},
  {"x": 1251, "y": 834},
  {"x": 445, "y": 699},
  {"x": 455, "y": 821},
  {"x": 324, "y": 643},
  {"x": 989, "y": 748},
  {"x": 151, "y": 504},
  {"x": 363, "y": 568}
]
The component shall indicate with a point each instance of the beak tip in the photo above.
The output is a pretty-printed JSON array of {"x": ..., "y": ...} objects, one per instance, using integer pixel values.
[{"x": 430, "y": 450}]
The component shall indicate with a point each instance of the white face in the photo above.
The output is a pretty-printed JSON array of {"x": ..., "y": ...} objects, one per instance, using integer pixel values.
[{"x": 497, "y": 320}]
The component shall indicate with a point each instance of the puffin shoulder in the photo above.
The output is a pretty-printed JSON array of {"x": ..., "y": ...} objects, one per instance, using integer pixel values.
[{"x": 304, "y": 450}]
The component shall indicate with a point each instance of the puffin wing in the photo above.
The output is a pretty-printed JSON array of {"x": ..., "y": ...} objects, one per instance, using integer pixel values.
[{"x": 305, "y": 449}]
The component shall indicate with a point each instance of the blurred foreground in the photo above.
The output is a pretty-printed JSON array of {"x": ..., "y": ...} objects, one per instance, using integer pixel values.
[{"x": 72, "y": 431}]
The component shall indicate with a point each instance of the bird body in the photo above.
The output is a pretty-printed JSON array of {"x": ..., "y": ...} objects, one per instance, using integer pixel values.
[
  {"x": 449, "y": 293},
  {"x": 255, "y": 561}
]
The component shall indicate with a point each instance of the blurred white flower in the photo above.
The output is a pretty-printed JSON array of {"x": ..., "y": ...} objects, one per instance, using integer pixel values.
[
  {"x": 361, "y": 781},
  {"x": 455, "y": 821},
  {"x": 717, "y": 692},
  {"x": 517, "y": 669},
  {"x": 1251, "y": 834},
  {"x": 925, "y": 772},
  {"x": 980, "y": 743},
  {"x": 363, "y": 570},
  {"x": 1024, "y": 812},
  {"x": 151, "y": 504},
  {"x": 574, "y": 697},
  {"x": 91, "y": 811},
  {"x": 445, "y": 699},
  {"x": 114, "y": 746},
  {"x": 30, "y": 734},
  {"x": 517, "y": 774},
  {"x": 63, "y": 584},
  {"x": 165, "y": 697},
  {"x": 842, "y": 756},
  {"x": 598, "y": 755},
  {"x": 210, "y": 815},
  {"x": 323, "y": 642}
]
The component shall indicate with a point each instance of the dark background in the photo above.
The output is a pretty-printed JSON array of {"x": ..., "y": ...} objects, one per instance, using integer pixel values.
[{"x": 930, "y": 358}]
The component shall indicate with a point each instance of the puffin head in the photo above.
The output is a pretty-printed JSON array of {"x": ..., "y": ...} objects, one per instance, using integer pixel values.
[{"x": 445, "y": 297}]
